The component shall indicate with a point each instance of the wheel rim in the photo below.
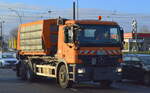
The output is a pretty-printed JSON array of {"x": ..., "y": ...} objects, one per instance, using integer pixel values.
[{"x": 63, "y": 77}]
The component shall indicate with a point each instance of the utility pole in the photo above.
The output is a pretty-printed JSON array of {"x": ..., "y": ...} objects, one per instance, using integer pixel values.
[{"x": 134, "y": 32}]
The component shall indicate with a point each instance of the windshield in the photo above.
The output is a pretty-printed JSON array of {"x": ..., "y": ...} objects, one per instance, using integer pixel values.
[
  {"x": 146, "y": 59},
  {"x": 99, "y": 34}
]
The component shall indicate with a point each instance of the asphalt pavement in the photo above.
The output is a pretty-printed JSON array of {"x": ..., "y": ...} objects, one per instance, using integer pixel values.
[{"x": 9, "y": 83}]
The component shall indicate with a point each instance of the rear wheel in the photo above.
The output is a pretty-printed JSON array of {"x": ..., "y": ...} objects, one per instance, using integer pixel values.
[
  {"x": 105, "y": 83},
  {"x": 147, "y": 79},
  {"x": 22, "y": 71},
  {"x": 17, "y": 70},
  {"x": 30, "y": 75},
  {"x": 25, "y": 72},
  {"x": 63, "y": 77}
]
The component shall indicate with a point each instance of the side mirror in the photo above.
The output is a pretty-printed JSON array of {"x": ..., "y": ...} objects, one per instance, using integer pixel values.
[{"x": 68, "y": 35}]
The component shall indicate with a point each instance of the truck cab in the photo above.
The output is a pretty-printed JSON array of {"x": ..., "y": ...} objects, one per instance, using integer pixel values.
[{"x": 92, "y": 48}]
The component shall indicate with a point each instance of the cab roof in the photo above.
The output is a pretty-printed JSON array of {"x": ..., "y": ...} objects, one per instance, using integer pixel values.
[{"x": 94, "y": 22}]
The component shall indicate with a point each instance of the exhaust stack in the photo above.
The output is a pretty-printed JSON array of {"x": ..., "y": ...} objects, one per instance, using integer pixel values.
[{"x": 74, "y": 10}]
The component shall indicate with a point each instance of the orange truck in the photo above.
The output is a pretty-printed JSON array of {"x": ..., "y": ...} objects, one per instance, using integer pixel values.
[{"x": 71, "y": 51}]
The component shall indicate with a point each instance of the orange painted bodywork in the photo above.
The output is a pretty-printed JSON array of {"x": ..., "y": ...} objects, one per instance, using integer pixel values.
[
  {"x": 65, "y": 51},
  {"x": 45, "y": 37},
  {"x": 68, "y": 52}
]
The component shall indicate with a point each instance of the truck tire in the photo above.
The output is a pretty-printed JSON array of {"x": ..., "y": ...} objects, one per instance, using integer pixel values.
[
  {"x": 22, "y": 71},
  {"x": 30, "y": 75},
  {"x": 105, "y": 83},
  {"x": 63, "y": 78},
  {"x": 17, "y": 70},
  {"x": 147, "y": 79},
  {"x": 25, "y": 73}
]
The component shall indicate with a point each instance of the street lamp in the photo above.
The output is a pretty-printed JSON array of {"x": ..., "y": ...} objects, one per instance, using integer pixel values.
[{"x": 17, "y": 13}]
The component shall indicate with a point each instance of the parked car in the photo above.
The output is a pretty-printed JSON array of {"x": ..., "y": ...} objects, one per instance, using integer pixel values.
[
  {"x": 137, "y": 67},
  {"x": 8, "y": 60}
]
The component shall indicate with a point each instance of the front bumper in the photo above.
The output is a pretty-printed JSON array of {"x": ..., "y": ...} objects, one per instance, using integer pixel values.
[{"x": 96, "y": 73}]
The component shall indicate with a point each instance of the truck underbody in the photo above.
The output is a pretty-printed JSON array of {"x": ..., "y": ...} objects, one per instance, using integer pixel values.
[{"x": 32, "y": 67}]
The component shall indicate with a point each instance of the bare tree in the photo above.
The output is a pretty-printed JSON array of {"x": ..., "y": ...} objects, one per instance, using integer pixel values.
[
  {"x": 12, "y": 38},
  {"x": 13, "y": 32}
]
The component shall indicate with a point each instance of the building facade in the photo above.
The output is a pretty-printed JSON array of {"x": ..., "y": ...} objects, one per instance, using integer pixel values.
[{"x": 136, "y": 42}]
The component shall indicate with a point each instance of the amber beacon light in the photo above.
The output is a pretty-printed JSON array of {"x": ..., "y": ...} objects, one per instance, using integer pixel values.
[{"x": 99, "y": 17}]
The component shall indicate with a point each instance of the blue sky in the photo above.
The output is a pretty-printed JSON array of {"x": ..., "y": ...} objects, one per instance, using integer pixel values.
[
  {"x": 32, "y": 10},
  {"x": 125, "y": 6}
]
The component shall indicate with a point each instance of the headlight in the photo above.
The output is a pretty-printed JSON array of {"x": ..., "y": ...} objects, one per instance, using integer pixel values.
[
  {"x": 81, "y": 70},
  {"x": 119, "y": 69}
]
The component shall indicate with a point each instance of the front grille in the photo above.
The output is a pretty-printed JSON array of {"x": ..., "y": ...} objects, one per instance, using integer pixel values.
[{"x": 99, "y": 60}]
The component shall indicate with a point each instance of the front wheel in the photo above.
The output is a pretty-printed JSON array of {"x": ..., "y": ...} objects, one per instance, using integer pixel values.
[
  {"x": 21, "y": 71},
  {"x": 63, "y": 77}
]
